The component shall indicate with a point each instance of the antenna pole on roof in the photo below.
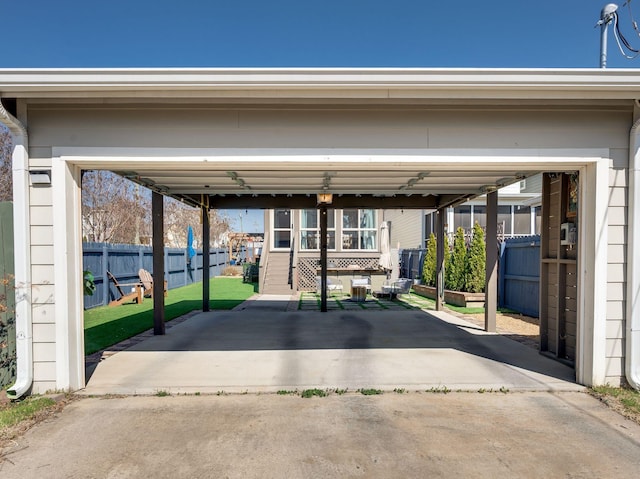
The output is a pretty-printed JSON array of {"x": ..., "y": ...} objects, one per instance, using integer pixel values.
[{"x": 606, "y": 16}]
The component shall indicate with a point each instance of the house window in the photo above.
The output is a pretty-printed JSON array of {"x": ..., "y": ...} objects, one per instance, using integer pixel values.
[
  {"x": 429, "y": 226},
  {"x": 504, "y": 220},
  {"x": 310, "y": 229},
  {"x": 522, "y": 220},
  {"x": 480, "y": 215},
  {"x": 359, "y": 229},
  {"x": 462, "y": 217},
  {"x": 282, "y": 228}
]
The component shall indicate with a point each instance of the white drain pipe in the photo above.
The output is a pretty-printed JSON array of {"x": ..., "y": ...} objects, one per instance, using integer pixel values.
[
  {"x": 22, "y": 254},
  {"x": 632, "y": 354}
]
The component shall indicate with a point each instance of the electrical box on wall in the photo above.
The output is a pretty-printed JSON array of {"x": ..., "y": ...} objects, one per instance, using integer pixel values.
[{"x": 567, "y": 234}]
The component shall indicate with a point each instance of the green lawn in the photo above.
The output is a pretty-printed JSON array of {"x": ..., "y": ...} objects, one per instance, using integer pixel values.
[{"x": 105, "y": 326}]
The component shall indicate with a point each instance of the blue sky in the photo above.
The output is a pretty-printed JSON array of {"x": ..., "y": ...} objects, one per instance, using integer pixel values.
[
  {"x": 246, "y": 221},
  {"x": 279, "y": 33},
  {"x": 304, "y": 33}
]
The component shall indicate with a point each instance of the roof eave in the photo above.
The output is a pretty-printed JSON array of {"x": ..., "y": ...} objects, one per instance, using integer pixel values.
[{"x": 321, "y": 83}]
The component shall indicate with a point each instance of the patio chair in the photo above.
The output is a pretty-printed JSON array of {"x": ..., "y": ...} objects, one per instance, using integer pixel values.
[
  {"x": 147, "y": 281},
  {"x": 333, "y": 285},
  {"x": 402, "y": 286},
  {"x": 134, "y": 295}
]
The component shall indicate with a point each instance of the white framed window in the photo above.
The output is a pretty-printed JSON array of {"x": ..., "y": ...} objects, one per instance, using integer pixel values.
[
  {"x": 359, "y": 229},
  {"x": 310, "y": 229},
  {"x": 281, "y": 228}
]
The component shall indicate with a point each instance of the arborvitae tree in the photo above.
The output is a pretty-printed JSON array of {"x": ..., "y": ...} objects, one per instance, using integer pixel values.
[
  {"x": 447, "y": 260},
  {"x": 455, "y": 274},
  {"x": 429, "y": 264},
  {"x": 476, "y": 262}
]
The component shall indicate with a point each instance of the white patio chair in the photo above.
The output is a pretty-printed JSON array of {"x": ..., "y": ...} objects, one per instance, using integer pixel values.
[{"x": 333, "y": 285}]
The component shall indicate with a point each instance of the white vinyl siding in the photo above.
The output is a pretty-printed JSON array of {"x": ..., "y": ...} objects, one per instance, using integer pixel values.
[
  {"x": 406, "y": 228},
  {"x": 42, "y": 286},
  {"x": 617, "y": 284}
]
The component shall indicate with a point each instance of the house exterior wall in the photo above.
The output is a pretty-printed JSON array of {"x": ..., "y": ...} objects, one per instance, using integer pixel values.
[
  {"x": 188, "y": 126},
  {"x": 306, "y": 261},
  {"x": 407, "y": 228},
  {"x": 43, "y": 283},
  {"x": 533, "y": 184},
  {"x": 616, "y": 264},
  {"x": 194, "y": 127}
]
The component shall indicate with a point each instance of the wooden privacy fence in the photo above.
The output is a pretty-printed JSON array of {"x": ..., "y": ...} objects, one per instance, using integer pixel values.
[
  {"x": 519, "y": 275},
  {"x": 7, "y": 298},
  {"x": 124, "y": 262}
]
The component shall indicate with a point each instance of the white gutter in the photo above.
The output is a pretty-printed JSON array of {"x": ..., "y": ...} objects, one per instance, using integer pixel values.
[
  {"x": 382, "y": 84},
  {"x": 22, "y": 253},
  {"x": 632, "y": 356}
]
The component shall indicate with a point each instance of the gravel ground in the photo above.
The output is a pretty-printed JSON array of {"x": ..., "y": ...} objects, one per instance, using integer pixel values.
[{"x": 518, "y": 327}]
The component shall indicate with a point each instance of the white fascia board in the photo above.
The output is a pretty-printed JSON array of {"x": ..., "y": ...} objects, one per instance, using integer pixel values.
[
  {"x": 327, "y": 82},
  {"x": 150, "y": 159}
]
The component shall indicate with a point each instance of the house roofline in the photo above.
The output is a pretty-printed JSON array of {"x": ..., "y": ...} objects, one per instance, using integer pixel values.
[{"x": 339, "y": 83}]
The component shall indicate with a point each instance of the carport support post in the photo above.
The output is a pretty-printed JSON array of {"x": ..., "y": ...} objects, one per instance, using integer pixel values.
[
  {"x": 157, "y": 216},
  {"x": 491, "y": 277},
  {"x": 206, "y": 233},
  {"x": 440, "y": 259},
  {"x": 323, "y": 258}
]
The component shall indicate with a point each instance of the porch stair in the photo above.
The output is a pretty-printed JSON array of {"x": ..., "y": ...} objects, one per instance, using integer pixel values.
[{"x": 276, "y": 280}]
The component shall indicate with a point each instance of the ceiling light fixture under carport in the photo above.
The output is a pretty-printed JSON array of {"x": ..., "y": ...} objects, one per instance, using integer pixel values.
[{"x": 324, "y": 198}]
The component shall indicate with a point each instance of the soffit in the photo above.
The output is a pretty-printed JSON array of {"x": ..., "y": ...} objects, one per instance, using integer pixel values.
[{"x": 367, "y": 182}]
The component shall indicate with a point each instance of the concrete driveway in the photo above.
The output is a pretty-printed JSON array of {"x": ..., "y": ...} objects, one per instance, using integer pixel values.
[
  {"x": 266, "y": 346},
  {"x": 412, "y": 435}
]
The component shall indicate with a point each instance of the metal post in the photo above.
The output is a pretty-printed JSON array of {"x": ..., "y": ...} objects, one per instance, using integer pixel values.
[
  {"x": 440, "y": 259},
  {"x": 491, "y": 276},
  {"x": 323, "y": 258},
  {"x": 206, "y": 255},
  {"x": 157, "y": 216},
  {"x": 606, "y": 15}
]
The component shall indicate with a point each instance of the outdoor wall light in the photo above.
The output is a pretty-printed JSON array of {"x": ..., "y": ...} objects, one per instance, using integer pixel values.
[
  {"x": 324, "y": 198},
  {"x": 40, "y": 177}
]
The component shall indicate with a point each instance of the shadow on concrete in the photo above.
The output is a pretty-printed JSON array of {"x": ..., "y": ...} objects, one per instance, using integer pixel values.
[{"x": 267, "y": 326}]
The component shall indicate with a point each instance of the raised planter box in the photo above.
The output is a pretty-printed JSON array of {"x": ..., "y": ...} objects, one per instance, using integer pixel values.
[{"x": 457, "y": 298}]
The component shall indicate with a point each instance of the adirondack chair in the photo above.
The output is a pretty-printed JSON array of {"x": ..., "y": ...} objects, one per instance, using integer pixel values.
[
  {"x": 147, "y": 282},
  {"x": 134, "y": 295}
]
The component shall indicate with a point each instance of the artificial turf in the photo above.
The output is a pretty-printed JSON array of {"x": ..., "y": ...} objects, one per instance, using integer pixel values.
[{"x": 105, "y": 326}]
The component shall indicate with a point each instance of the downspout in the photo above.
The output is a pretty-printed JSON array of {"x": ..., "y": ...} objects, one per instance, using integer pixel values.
[
  {"x": 632, "y": 356},
  {"x": 22, "y": 246}
]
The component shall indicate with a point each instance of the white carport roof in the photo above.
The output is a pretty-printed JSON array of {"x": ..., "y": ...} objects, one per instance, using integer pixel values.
[{"x": 420, "y": 178}]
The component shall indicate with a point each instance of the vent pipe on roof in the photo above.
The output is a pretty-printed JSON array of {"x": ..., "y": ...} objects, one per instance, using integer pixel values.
[{"x": 606, "y": 16}]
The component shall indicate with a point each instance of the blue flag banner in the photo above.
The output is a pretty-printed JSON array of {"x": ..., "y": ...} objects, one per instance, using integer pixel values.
[{"x": 191, "y": 251}]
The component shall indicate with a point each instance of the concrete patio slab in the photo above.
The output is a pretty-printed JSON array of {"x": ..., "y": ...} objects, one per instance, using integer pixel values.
[{"x": 263, "y": 347}]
